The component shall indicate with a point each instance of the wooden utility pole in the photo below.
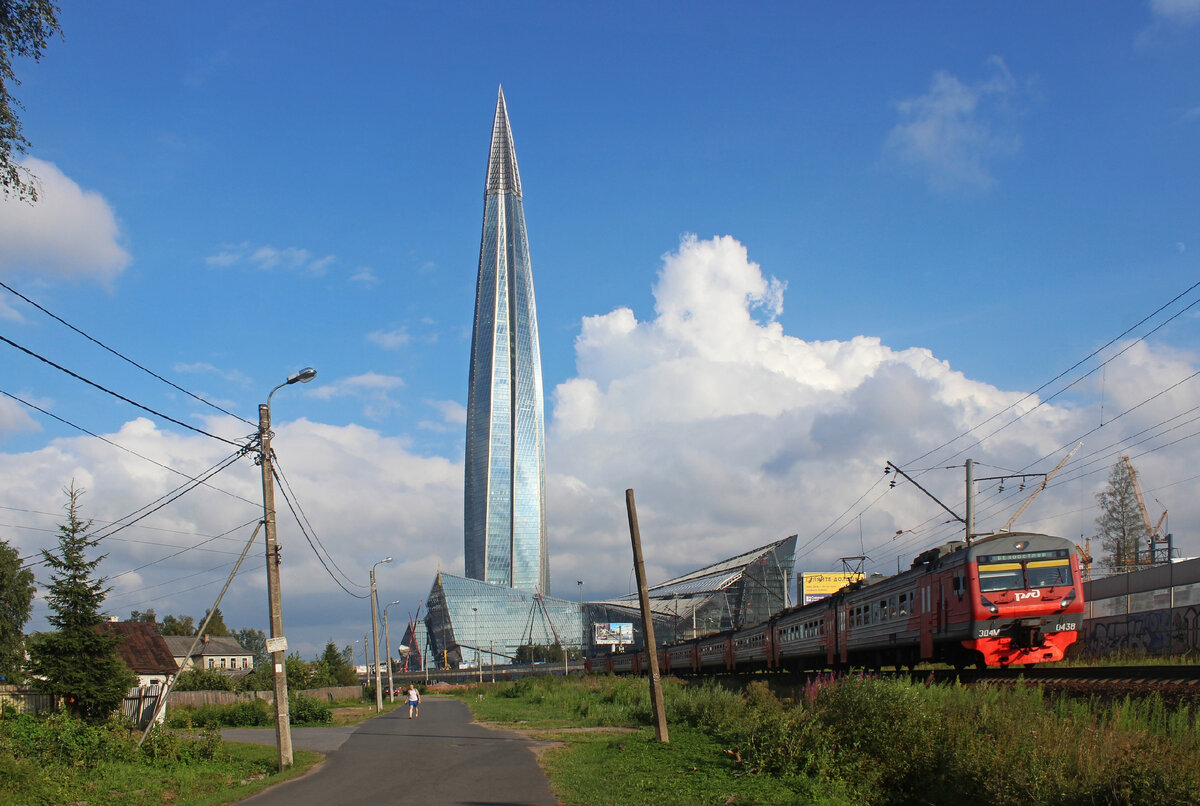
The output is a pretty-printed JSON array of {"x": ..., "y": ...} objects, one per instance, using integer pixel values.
[
  {"x": 656, "y": 696},
  {"x": 277, "y": 643}
]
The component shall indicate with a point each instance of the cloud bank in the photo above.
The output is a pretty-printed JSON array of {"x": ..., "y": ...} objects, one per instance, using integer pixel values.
[{"x": 731, "y": 432}]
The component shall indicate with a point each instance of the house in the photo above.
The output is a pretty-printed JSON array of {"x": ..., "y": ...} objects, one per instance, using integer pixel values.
[
  {"x": 144, "y": 651},
  {"x": 146, "y": 654},
  {"x": 220, "y": 653}
]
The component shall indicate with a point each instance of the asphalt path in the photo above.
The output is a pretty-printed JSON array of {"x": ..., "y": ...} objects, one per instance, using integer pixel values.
[{"x": 442, "y": 757}]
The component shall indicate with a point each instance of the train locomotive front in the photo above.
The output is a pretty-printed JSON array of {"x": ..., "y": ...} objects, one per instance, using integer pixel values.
[{"x": 1026, "y": 598}]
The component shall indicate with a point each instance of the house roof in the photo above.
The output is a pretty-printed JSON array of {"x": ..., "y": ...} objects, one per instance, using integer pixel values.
[
  {"x": 210, "y": 645},
  {"x": 142, "y": 648}
]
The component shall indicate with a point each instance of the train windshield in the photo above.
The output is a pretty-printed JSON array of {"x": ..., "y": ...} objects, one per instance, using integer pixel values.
[{"x": 1036, "y": 569}]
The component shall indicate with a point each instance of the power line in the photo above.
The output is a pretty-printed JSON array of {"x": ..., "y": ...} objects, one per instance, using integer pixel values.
[
  {"x": 153, "y": 506},
  {"x": 311, "y": 545},
  {"x": 118, "y": 445},
  {"x": 283, "y": 483},
  {"x": 59, "y": 319},
  {"x": 117, "y": 395}
]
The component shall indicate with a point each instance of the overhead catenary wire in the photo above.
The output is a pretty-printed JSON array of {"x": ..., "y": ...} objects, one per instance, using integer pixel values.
[
  {"x": 1074, "y": 475},
  {"x": 108, "y": 391},
  {"x": 125, "y": 358},
  {"x": 1074, "y": 366}
]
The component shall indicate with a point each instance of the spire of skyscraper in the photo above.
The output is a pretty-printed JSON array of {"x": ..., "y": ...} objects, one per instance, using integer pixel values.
[
  {"x": 504, "y": 513},
  {"x": 502, "y": 176}
]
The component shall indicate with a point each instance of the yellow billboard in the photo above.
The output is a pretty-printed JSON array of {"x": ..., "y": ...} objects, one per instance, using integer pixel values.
[{"x": 814, "y": 586}]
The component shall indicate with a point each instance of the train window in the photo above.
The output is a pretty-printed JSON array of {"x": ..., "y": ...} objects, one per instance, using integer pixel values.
[
  {"x": 1049, "y": 573},
  {"x": 1001, "y": 577},
  {"x": 903, "y": 604}
]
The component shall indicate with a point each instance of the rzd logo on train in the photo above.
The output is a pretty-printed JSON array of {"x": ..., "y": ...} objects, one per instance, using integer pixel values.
[{"x": 1029, "y": 595}]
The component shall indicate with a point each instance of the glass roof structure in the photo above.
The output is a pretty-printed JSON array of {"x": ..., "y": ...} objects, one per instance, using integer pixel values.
[
  {"x": 742, "y": 590},
  {"x": 470, "y": 621}
]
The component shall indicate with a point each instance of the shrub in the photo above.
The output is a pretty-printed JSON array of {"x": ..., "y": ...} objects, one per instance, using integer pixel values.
[
  {"x": 165, "y": 746},
  {"x": 203, "y": 680},
  {"x": 248, "y": 714},
  {"x": 309, "y": 711},
  {"x": 61, "y": 737}
]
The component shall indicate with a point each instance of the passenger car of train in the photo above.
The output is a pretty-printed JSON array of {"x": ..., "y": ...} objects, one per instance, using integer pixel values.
[{"x": 1010, "y": 598}]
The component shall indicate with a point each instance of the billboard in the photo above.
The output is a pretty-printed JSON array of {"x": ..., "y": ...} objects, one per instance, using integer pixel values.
[
  {"x": 614, "y": 633},
  {"x": 814, "y": 586}
]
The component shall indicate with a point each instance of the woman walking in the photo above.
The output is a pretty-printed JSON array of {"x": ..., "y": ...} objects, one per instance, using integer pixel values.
[{"x": 414, "y": 701}]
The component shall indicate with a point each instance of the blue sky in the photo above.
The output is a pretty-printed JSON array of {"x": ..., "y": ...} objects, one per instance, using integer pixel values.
[{"x": 941, "y": 208}]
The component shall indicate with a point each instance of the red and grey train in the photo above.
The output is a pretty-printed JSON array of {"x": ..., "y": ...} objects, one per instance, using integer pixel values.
[{"x": 1007, "y": 599}]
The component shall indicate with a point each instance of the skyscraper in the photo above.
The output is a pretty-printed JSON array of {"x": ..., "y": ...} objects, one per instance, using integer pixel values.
[{"x": 505, "y": 502}]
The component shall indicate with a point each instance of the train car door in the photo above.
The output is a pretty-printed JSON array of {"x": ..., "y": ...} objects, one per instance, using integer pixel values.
[{"x": 927, "y": 620}]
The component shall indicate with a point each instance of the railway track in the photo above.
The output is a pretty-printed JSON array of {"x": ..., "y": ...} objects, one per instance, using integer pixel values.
[{"x": 1180, "y": 673}]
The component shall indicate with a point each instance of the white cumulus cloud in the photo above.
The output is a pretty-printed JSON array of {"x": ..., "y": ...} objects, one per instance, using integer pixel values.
[{"x": 69, "y": 233}]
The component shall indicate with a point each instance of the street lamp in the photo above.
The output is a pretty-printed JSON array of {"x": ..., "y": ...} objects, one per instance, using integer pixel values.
[
  {"x": 387, "y": 642},
  {"x": 277, "y": 644},
  {"x": 582, "y": 622},
  {"x": 479, "y": 665},
  {"x": 375, "y": 637}
]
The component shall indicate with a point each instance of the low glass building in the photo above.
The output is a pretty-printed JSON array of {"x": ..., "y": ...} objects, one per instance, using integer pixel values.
[{"x": 469, "y": 621}]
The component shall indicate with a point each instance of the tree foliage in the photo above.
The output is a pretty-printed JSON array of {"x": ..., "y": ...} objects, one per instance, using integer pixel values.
[
  {"x": 1121, "y": 529},
  {"x": 25, "y": 28},
  {"x": 178, "y": 625},
  {"x": 216, "y": 625},
  {"x": 16, "y": 602},
  {"x": 77, "y": 661},
  {"x": 331, "y": 668},
  {"x": 145, "y": 617},
  {"x": 204, "y": 680},
  {"x": 539, "y": 653}
]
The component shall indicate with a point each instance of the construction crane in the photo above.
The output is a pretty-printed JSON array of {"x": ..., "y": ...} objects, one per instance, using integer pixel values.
[{"x": 1151, "y": 531}]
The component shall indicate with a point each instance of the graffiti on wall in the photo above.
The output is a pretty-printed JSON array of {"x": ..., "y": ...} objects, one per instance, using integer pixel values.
[{"x": 1153, "y": 632}]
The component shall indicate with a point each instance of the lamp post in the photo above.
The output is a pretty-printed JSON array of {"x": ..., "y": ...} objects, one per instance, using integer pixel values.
[
  {"x": 582, "y": 622},
  {"x": 387, "y": 642},
  {"x": 479, "y": 665},
  {"x": 277, "y": 644},
  {"x": 375, "y": 637}
]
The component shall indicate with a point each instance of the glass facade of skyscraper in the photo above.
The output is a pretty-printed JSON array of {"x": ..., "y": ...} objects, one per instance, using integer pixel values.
[{"x": 504, "y": 515}]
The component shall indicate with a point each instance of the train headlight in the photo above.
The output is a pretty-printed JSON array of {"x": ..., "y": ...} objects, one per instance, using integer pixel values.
[
  {"x": 1070, "y": 597},
  {"x": 983, "y": 600}
]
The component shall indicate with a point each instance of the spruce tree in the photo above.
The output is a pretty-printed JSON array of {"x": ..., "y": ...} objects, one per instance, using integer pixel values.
[
  {"x": 1121, "y": 529},
  {"x": 16, "y": 602},
  {"x": 78, "y": 662}
]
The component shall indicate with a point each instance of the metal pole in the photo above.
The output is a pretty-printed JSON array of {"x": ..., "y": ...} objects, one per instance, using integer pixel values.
[
  {"x": 387, "y": 642},
  {"x": 656, "y": 696},
  {"x": 478, "y": 662},
  {"x": 375, "y": 645},
  {"x": 970, "y": 519},
  {"x": 277, "y": 643}
]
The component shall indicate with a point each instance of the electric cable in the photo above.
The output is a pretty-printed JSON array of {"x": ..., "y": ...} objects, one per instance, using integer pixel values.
[
  {"x": 106, "y": 390},
  {"x": 62, "y": 321},
  {"x": 321, "y": 559},
  {"x": 283, "y": 483},
  {"x": 120, "y": 446}
]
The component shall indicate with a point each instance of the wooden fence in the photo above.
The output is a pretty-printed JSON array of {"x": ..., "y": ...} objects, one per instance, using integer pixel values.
[
  {"x": 194, "y": 698},
  {"x": 26, "y": 701}
]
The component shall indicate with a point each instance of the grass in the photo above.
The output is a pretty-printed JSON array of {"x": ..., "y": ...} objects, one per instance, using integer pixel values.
[
  {"x": 852, "y": 740},
  {"x": 240, "y": 771}
]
